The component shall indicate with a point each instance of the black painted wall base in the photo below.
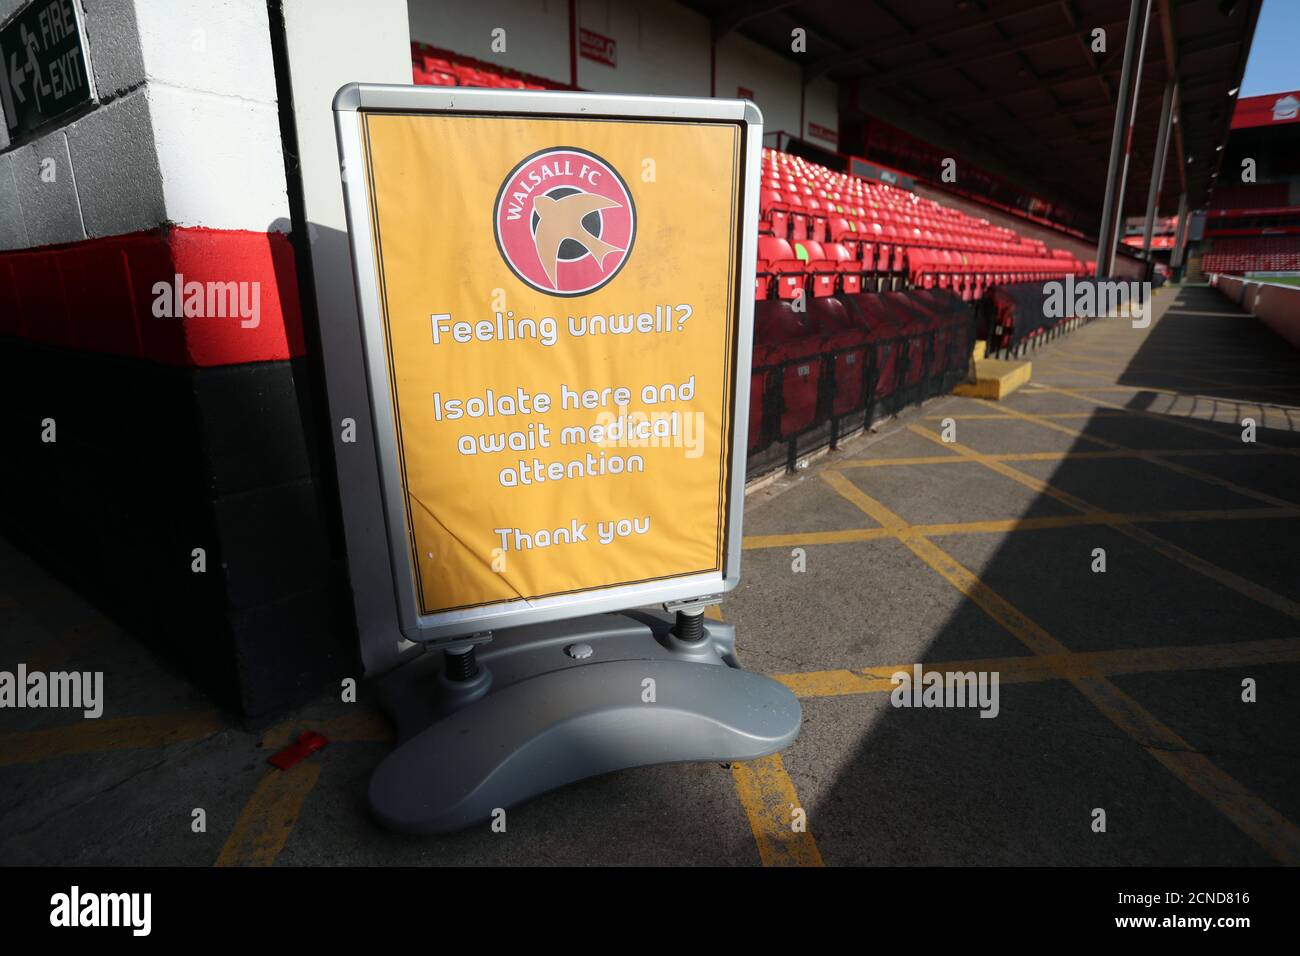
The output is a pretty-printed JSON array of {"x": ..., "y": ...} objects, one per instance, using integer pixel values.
[{"x": 151, "y": 462}]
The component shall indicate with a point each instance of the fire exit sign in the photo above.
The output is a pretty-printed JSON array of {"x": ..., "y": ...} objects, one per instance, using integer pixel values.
[{"x": 43, "y": 66}]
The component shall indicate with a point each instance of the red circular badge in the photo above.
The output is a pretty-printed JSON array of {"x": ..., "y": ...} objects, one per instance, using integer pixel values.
[{"x": 564, "y": 221}]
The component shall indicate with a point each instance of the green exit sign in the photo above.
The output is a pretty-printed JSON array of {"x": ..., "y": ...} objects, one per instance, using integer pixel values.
[{"x": 43, "y": 67}]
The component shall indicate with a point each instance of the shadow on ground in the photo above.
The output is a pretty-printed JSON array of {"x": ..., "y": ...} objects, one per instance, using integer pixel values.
[{"x": 943, "y": 786}]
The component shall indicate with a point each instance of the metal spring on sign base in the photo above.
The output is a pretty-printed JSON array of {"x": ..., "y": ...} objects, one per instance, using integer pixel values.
[
  {"x": 461, "y": 664},
  {"x": 689, "y": 627}
]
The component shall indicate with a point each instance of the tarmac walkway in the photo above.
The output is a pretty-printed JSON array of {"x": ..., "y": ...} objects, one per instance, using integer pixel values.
[{"x": 1118, "y": 690}]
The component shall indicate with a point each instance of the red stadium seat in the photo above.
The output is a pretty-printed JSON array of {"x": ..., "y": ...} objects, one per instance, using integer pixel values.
[
  {"x": 816, "y": 219},
  {"x": 798, "y": 216},
  {"x": 845, "y": 232},
  {"x": 821, "y": 270},
  {"x": 845, "y": 344},
  {"x": 772, "y": 208},
  {"x": 779, "y": 269},
  {"x": 847, "y": 268},
  {"x": 867, "y": 256},
  {"x": 787, "y": 354}
]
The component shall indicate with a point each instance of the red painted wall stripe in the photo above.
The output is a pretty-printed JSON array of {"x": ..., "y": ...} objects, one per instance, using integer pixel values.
[{"x": 99, "y": 296}]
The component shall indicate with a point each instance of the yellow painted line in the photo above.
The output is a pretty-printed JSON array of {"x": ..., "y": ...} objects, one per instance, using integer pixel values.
[
  {"x": 1013, "y": 525},
  {"x": 1177, "y": 420},
  {"x": 894, "y": 462},
  {"x": 1045, "y": 667},
  {"x": 53, "y": 655},
  {"x": 1060, "y": 367},
  {"x": 1157, "y": 389},
  {"x": 713, "y": 612},
  {"x": 1120, "y": 452},
  {"x": 767, "y": 794},
  {"x": 865, "y": 503},
  {"x": 271, "y": 813},
  {"x": 768, "y": 797},
  {"x": 994, "y": 417},
  {"x": 269, "y": 816},
  {"x": 1002, "y": 468},
  {"x": 1243, "y": 586},
  {"x": 1004, "y": 525},
  {"x": 1154, "y": 457},
  {"x": 1120, "y": 361},
  {"x": 1120, "y": 367},
  {"x": 120, "y": 733},
  {"x": 1245, "y": 451},
  {"x": 362, "y": 725},
  {"x": 1277, "y": 835},
  {"x": 753, "y": 542}
]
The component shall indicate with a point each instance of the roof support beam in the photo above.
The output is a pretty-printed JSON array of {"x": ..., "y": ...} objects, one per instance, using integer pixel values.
[
  {"x": 1158, "y": 166},
  {"x": 907, "y": 40},
  {"x": 1134, "y": 98},
  {"x": 1028, "y": 41},
  {"x": 1106, "y": 238},
  {"x": 741, "y": 13},
  {"x": 1171, "y": 70},
  {"x": 1072, "y": 15}
]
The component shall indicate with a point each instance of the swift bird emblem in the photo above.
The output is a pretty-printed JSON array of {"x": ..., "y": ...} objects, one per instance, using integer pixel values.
[{"x": 560, "y": 219}]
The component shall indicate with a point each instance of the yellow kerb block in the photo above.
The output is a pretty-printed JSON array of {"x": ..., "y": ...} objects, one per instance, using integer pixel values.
[{"x": 995, "y": 379}]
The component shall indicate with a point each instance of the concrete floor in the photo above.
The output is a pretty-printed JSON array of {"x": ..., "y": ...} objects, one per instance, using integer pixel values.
[{"x": 1119, "y": 690}]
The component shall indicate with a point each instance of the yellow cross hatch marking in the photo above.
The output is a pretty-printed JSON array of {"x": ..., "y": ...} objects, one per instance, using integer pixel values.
[{"x": 1277, "y": 835}]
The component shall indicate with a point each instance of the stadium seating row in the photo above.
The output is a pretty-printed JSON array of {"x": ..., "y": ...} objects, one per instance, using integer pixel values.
[
  {"x": 823, "y": 232},
  {"x": 851, "y": 354},
  {"x": 428, "y": 68},
  {"x": 790, "y": 181},
  {"x": 810, "y": 268},
  {"x": 1253, "y": 254}
]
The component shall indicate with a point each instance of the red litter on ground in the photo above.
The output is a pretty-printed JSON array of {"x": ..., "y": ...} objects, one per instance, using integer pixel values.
[{"x": 307, "y": 744}]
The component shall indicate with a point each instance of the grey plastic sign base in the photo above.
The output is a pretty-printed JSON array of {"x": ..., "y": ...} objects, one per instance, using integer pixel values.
[{"x": 543, "y": 712}]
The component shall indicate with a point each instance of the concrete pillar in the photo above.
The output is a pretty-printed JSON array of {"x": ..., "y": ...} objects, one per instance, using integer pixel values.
[{"x": 331, "y": 43}]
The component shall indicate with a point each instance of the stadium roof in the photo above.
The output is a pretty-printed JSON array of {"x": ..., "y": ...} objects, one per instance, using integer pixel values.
[{"x": 1019, "y": 81}]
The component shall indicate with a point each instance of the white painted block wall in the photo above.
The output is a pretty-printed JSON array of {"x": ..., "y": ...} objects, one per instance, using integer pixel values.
[
  {"x": 773, "y": 79},
  {"x": 821, "y": 106},
  {"x": 186, "y": 130},
  {"x": 536, "y": 32},
  {"x": 663, "y": 48},
  {"x": 332, "y": 43}
]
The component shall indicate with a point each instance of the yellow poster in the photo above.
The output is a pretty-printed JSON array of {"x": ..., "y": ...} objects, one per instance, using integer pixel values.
[{"x": 559, "y": 305}]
